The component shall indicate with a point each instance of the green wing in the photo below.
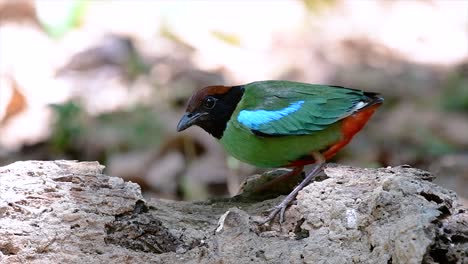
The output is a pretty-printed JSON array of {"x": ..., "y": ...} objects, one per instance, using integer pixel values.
[{"x": 281, "y": 108}]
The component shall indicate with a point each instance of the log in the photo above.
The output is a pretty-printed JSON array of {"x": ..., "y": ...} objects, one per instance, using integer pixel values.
[{"x": 69, "y": 212}]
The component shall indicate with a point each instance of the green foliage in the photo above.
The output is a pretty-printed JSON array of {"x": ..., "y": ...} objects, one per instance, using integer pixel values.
[
  {"x": 315, "y": 6},
  {"x": 136, "y": 66},
  {"x": 433, "y": 144},
  {"x": 230, "y": 39},
  {"x": 455, "y": 95},
  {"x": 75, "y": 132},
  {"x": 72, "y": 19},
  {"x": 68, "y": 126},
  {"x": 136, "y": 128},
  {"x": 166, "y": 31}
]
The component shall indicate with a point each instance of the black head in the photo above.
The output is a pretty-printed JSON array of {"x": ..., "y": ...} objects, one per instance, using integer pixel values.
[{"x": 211, "y": 108}]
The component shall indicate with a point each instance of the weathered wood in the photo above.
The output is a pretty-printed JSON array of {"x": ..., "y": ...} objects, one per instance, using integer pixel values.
[{"x": 69, "y": 212}]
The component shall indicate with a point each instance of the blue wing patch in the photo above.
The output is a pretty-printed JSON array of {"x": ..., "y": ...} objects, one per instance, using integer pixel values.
[{"x": 253, "y": 119}]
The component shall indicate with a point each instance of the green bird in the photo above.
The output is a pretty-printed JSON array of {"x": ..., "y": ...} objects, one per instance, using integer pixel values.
[{"x": 281, "y": 123}]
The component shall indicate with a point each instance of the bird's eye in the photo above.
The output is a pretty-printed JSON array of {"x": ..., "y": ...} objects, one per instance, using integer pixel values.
[{"x": 209, "y": 102}]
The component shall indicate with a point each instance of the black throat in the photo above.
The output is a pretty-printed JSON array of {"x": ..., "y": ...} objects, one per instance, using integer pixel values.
[{"x": 219, "y": 116}]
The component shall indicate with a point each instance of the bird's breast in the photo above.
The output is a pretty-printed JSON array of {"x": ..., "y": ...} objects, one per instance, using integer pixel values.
[{"x": 270, "y": 152}]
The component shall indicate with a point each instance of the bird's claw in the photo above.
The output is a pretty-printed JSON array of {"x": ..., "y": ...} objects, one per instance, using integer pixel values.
[{"x": 281, "y": 209}]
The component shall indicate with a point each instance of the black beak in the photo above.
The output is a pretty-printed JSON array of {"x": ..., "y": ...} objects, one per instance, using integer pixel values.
[{"x": 187, "y": 120}]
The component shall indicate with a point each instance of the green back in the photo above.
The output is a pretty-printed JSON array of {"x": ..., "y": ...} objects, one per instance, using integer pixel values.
[{"x": 321, "y": 106}]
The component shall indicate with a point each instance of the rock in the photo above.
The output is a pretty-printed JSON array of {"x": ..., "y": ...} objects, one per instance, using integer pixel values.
[{"x": 69, "y": 212}]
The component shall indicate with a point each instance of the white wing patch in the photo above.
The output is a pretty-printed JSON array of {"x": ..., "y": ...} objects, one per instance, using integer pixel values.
[{"x": 359, "y": 105}]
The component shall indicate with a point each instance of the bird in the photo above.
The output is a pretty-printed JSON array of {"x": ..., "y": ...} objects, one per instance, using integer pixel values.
[{"x": 279, "y": 123}]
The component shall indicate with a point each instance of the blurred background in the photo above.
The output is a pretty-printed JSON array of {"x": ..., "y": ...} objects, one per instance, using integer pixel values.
[{"x": 108, "y": 81}]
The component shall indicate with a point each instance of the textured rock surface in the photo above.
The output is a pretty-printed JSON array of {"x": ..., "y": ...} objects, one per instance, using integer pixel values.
[{"x": 69, "y": 212}]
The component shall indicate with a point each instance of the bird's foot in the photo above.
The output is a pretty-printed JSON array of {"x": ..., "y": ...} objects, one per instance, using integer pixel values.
[{"x": 281, "y": 207}]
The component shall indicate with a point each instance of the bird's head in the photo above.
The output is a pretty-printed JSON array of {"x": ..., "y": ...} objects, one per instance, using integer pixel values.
[{"x": 211, "y": 108}]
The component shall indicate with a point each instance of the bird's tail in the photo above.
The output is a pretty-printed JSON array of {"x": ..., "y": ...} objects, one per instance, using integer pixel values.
[{"x": 372, "y": 99}]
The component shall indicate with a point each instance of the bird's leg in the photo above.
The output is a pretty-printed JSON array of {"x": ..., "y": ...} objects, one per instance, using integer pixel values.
[{"x": 281, "y": 207}]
